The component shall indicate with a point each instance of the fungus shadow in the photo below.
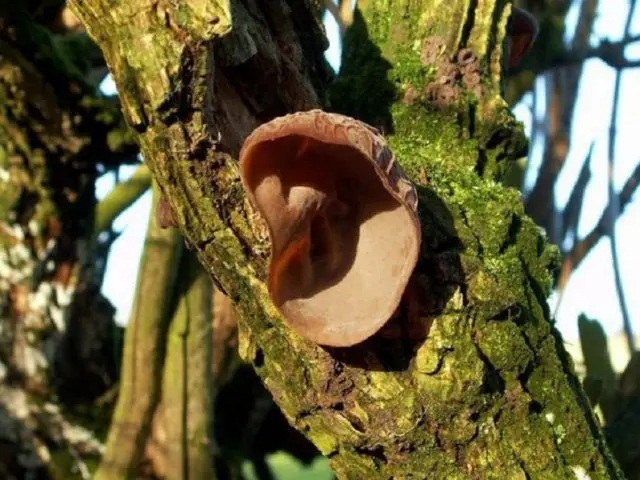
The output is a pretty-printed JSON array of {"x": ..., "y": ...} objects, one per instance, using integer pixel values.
[{"x": 362, "y": 88}]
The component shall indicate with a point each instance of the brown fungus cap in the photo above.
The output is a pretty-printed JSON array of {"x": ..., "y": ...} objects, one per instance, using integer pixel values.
[
  {"x": 164, "y": 214},
  {"x": 342, "y": 219},
  {"x": 523, "y": 32}
]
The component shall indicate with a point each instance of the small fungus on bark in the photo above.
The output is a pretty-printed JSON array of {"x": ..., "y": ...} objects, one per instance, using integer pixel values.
[
  {"x": 523, "y": 31},
  {"x": 164, "y": 214},
  {"x": 341, "y": 214}
]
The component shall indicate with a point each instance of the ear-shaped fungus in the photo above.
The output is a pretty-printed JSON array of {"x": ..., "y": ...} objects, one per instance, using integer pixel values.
[
  {"x": 342, "y": 219},
  {"x": 164, "y": 214},
  {"x": 524, "y": 30}
]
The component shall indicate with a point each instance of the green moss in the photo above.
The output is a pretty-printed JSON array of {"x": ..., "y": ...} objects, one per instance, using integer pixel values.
[
  {"x": 506, "y": 349},
  {"x": 353, "y": 465},
  {"x": 461, "y": 429},
  {"x": 458, "y": 380},
  {"x": 431, "y": 141},
  {"x": 205, "y": 19},
  {"x": 488, "y": 293},
  {"x": 431, "y": 354},
  {"x": 549, "y": 387},
  {"x": 325, "y": 441},
  {"x": 540, "y": 458}
]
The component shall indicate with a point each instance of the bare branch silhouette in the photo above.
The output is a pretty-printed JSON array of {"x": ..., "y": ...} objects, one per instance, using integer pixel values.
[
  {"x": 613, "y": 209},
  {"x": 581, "y": 248}
]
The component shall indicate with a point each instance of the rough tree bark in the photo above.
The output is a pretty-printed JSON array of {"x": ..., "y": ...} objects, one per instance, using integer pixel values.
[{"x": 478, "y": 384}]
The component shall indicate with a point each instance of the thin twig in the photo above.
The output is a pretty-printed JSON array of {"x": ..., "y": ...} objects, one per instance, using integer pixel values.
[
  {"x": 581, "y": 248},
  {"x": 573, "y": 210},
  {"x": 562, "y": 92},
  {"x": 570, "y": 218},
  {"x": 611, "y": 53}
]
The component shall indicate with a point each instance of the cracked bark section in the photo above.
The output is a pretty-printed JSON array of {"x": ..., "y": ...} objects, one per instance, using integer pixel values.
[{"x": 469, "y": 379}]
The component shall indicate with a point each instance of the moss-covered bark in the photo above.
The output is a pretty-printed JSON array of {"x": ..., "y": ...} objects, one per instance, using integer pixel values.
[{"x": 474, "y": 383}]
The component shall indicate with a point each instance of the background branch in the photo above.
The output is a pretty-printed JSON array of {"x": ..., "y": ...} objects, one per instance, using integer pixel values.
[
  {"x": 121, "y": 197},
  {"x": 583, "y": 246}
]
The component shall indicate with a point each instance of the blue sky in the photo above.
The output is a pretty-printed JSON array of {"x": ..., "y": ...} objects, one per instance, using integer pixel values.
[{"x": 591, "y": 289}]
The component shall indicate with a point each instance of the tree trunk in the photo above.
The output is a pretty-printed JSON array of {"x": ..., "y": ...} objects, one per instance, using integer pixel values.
[
  {"x": 169, "y": 335},
  {"x": 477, "y": 384},
  {"x": 144, "y": 353},
  {"x": 187, "y": 393}
]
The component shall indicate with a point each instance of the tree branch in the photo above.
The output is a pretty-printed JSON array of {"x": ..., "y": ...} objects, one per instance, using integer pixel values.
[
  {"x": 121, "y": 197},
  {"x": 143, "y": 358},
  {"x": 613, "y": 210},
  {"x": 573, "y": 210},
  {"x": 582, "y": 248},
  {"x": 612, "y": 53},
  {"x": 187, "y": 399},
  {"x": 562, "y": 91}
]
